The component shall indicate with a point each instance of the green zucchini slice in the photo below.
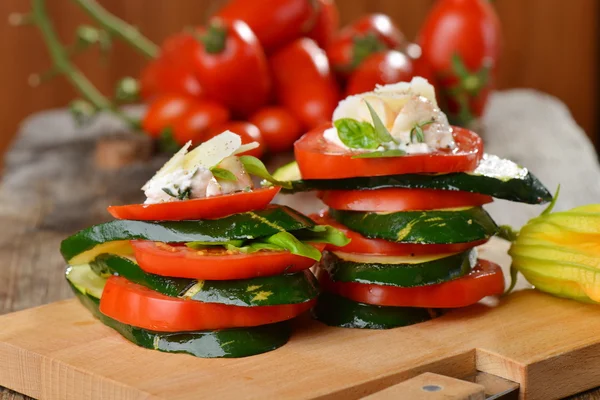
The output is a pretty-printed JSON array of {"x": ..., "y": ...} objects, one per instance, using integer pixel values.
[
  {"x": 334, "y": 310},
  {"x": 405, "y": 271},
  {"x": 499, "y": 178},
  {"x": 294, "y": 288},
  {"x": 83, "y": 246},
  {"x": 424, "y": 227}
]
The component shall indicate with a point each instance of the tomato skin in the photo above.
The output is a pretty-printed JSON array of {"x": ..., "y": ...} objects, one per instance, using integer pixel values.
[
  {"x": 279, "y": 128},
  {"x": 274, "y": 22},
  {"x": 362, "y": 245},
  {"x": 368, "y": 35},
  {"x": 205, "y": 208},
  {"x": 164, "y": 111},
  {"x": 247, "y": 131},
  {"x": 380, "y": 69},
  {"x": 183, "y": 262},
  {"x": 327, "y": 23},
  {"x": 394, "y": 200},
  {"x": 304, "y": 83},
  {"x": 486, "y": 279},
  {"x": 233, "y": 72},
  {"x": 319, "y": 159},
  {"x": 195, "y": 123},
  {"x": 136, "y": 305},
  {"x": 471, "y": 30}
]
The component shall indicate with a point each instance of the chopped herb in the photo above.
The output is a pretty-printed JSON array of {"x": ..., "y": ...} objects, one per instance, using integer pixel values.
[
  {"x": 416, "y": 133},
  {"x": 383, "y": 135},
  {"x": 169, "y": 192},
  {"x": 223, "y": 174}
]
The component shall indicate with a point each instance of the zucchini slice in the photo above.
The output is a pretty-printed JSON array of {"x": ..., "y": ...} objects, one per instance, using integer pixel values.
[
  {"x": 499, "y": 178},
  {"x": 82, "y": 247},
  {"x": 334, "y": 310},
  {"x": 398, "y": 271},
  {"x": 423, "y": 227},
  {"x": 295, "y": 288}
]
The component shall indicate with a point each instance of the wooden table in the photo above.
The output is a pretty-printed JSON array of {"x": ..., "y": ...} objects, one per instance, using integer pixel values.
[{"x": 52, "y": 187}]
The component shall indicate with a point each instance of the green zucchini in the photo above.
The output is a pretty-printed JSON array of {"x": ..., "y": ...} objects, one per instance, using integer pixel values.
[
  {"x": 85, "y": 245},
  {"x": 397, "y": 271},
  {"x": 495, "y": 177},
  {"x": 423, "y": 227},
  {"x": 294, "y": 288},
  {"x": 334, "y": 310}
]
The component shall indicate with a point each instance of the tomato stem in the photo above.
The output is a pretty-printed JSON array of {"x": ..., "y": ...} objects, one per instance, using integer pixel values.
[{"x": 214, "y": 39}]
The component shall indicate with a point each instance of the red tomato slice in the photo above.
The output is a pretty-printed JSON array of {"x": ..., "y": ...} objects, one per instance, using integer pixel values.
[
  {"x": 393, "y": 200},
  {"x": 206, "y": 208},
  {"x": 486, "y": 279},
  {"x": 362, "y": 245},
  {"x": 320, "y": 159},
  {"x": 184, "y": 262},
  {"x": 136, "y": 305}
]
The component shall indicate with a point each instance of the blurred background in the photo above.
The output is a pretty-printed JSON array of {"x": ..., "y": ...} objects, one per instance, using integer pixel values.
[{"x": 549, "y": 45}]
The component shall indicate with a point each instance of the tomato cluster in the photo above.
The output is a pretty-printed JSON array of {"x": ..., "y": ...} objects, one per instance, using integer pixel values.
[{"x": 270, "y": 70}]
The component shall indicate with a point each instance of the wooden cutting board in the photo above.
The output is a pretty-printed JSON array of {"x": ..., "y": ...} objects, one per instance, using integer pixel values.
[{"x": 550, "y": 346}]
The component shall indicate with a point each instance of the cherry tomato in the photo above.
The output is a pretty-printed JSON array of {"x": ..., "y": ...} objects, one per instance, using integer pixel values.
[
  {"x": 394, "y": 200},
  {"x": 184, "y": 262},
  {"x": 164, "y": 111},
  {"x": 390, "y": 66},
  {"x": 353, "y": 44},
  {"x": 460, "y": 40},
  {"x": 362, "y": 245},
  {"x": 136, "y": 305},
  {"x": 327, "y": 23},
  {"x": 206, "y": 208},
  {"x": 231, "y": 66},
  {"x": 247, "y": 131},
  {"x": 320, "y": 159},
  {"x": 275, "y": 22},
  {"x": 196, "y": 122},
  {"x": 304, "y": 83},
  {"x": 279, "y": 128},
  {"x": 486, "y": 279}
]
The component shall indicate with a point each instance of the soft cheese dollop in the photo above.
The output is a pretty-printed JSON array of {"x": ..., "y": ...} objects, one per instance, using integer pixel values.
[{"x": 403, "y": 108}]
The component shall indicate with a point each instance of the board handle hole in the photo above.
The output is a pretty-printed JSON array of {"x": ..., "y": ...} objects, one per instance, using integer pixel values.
[{"x": 431, "y": 388}]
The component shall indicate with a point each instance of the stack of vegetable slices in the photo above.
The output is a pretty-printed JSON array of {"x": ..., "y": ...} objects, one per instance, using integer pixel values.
[
  {"x": 214, "y": 276},
  {"x": 414, "y": 222}
]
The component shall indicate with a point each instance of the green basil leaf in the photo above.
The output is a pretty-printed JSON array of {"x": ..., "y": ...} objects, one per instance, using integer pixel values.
[
  {"x": 381, "y": 154},
  {"x": 255, "y": 167},
  {"x": 356, "y": 134},
  {"x": 224, "y": 174},
  {"x": 383, "y": 135},
  {"x": 289, "y": 242}
]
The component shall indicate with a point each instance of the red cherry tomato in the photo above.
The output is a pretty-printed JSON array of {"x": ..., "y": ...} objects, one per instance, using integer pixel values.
[
  {"x": 486, "y": 279},
  {"x": 275, "y": 22},
  {"x": 460, "y": 40},
  {"x": 231, "y": 66},
  {"x": 362, "y": 245},
  {"x": 390, "y": 66},
  {"x": 394, "y": 200},
  {"x": 304, "y": 83},
  {"x": 353, "y": 44},
  {"x": 206, "y": 208},
  {"x": 247, "y": 131},
  {"x": 184, "y": 262},
  {"x": 279, "y": 128},
  {"x": 136, "y": 305},
  {"x": 196, "y": 122},
  {"x": 320, "y": 159},
  {"x": 327, "y": 23},
  {"x": 164, "y": 111}
]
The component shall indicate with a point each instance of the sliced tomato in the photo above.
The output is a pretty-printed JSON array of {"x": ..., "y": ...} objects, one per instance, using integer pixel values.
[
  {"x": 218, "y": 264},
  {"x": 486, "y": 279},
  {"x": 394, "y": 200},
  {"x": 363, "y": 245},
  {"x": 319, "y": 159},
  {"x": 206, "y": 208},
  {"x": 136, "y": 305}
]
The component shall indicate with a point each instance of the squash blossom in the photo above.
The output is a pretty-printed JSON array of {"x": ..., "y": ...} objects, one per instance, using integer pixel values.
[{"x": 559, "y": 253}]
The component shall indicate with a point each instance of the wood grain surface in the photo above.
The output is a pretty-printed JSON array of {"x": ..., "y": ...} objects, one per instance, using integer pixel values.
[{"x": 51, "y": 188}]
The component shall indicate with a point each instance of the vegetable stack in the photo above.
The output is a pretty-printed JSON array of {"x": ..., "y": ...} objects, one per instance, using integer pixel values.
[
  {"x": 407, "y": 189},
  {"x": 206, "y": 266}
]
